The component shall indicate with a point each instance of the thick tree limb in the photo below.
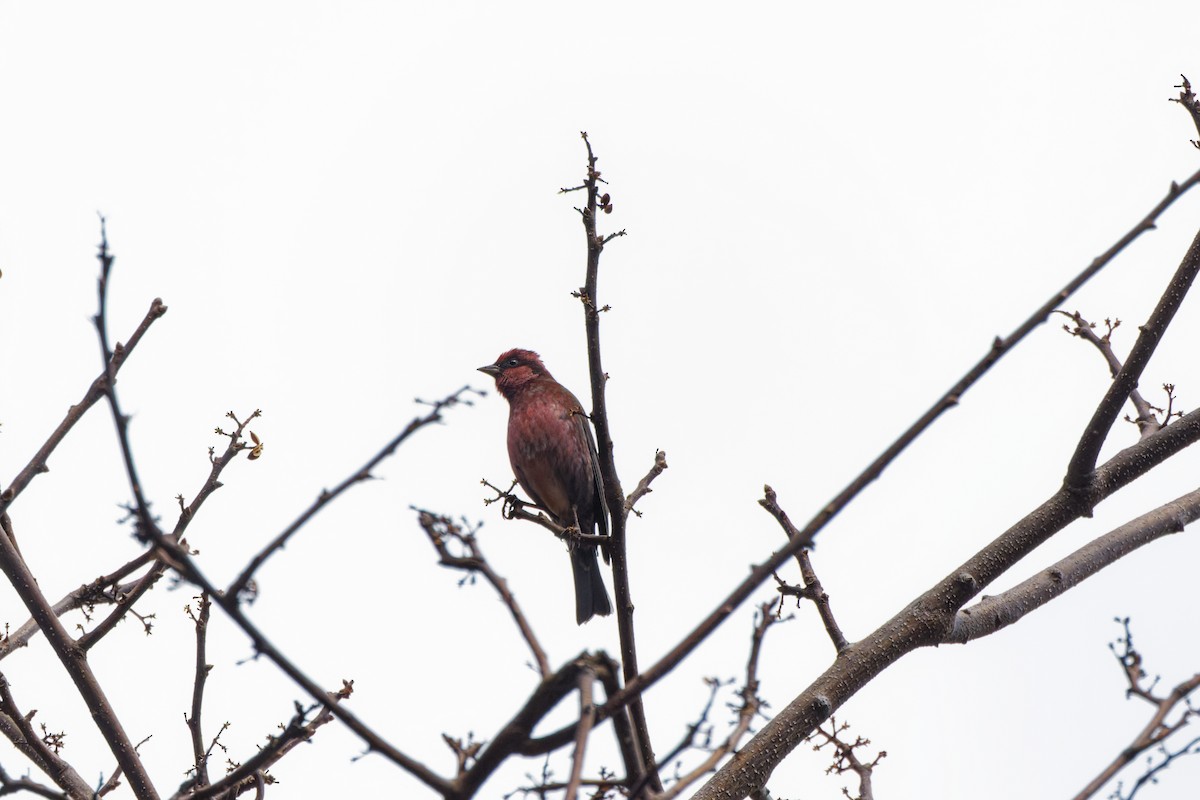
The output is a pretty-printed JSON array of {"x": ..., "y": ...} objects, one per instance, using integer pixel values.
[
  {"x": 999, "y": 611},
  {"x": 930, "y": 618}
]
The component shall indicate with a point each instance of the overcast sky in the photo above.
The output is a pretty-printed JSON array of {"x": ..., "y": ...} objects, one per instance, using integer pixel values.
[{"x": 832, "y": 209}]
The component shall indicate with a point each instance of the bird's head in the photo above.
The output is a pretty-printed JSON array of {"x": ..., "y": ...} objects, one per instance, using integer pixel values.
[{"x": 515, "y": 369}]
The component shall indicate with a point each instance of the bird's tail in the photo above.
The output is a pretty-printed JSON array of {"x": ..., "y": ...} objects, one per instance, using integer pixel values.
[{"x": 591, "y": 598}]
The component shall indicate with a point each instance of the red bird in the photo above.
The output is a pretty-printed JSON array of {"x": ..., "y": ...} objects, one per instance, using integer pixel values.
[{"x": 553, "y": 455}]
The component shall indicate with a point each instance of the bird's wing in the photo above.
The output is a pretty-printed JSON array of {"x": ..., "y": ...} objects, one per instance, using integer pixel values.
[
  {"x": 523, "y": 479},
  {"x": 597, "y": 478}
]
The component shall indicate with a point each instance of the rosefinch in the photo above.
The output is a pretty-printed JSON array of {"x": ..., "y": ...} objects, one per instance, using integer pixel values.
[{"x": 553, "y": 455}]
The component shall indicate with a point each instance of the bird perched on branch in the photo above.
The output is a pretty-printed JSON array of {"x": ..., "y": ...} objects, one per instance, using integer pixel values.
[{"x": 553, "y": 455}]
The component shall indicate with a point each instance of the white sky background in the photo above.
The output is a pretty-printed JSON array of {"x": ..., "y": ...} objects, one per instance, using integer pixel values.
[{"x": 831, "y": 213}]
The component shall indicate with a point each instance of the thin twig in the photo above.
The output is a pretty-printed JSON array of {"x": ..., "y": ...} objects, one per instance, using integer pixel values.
[
  {"x": 1146, "y": 421},
  {"x": 614, "y": 496},
  {"x": 845, "y": 759},
  {"x": 1080, "y": 471},
  {"x": 749, "y": 707},
  {"x": 440, "y": 531},
  {"x": 812, "y": 588},
  {"x": 1157, "y": 730},
  {"x": 514, "y": 737},
  {"x": 253, "y": 772},
  {"x": 643, "y": 487},
  {"x": 1187, "y": 99},
  {"x": 40, "y": 461},
  {"x": 239, "y": 585},
  {"x": 74, "y": 660},
  {"x": 18, "y": 729},
  {"x": 89, "y": 594},
  {"x": 11, "y": 785},
  {"x": 202, "y": 668},
  {"x": 951, "y": 398}
]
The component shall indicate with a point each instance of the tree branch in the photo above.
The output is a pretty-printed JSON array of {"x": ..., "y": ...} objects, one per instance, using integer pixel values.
[
  {"x": 242, "y": 581},
  {"x": 1146, "y": 421},
  {"x": 614, "y": 496},
  {"x": 930, "y": 618},
  {"x": 1079, "y": 471},
  {"x": 40, "y": 461},
  {"x": 1157, "y": 730},
  {"x": 439, "y": 529},
  {"x": 74, "y": 660},
  {"x": 17, "y": 728},
  {"x": 999, "y": 611}
]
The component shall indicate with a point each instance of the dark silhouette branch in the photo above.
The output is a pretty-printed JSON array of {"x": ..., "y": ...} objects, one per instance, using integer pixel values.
[
  {"x": 11, "y": 785},
  {"x": 242, "y": 581},
  {"x": 951, "y": 398},
  {"x": 40, "y": 461},
  {"x": 749, "y": 707},
  {"x": 812, "y": 588},
  {"x": 253, "y": 773},
  {"x": 173, "y": 551},
  {"x": 643, "y": 487},
  {"x": 1187, "y": 99},
  {"x": 614, "y": 496},
  {"x": 515, "y": 735},
  {"x": 195, "y": 722},
  {"x": 442, "y": 530},
  {"x": 144, "y": 522}
]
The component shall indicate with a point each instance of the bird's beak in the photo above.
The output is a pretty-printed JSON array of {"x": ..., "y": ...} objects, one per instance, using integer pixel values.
[{"x": 490, "y": 369}]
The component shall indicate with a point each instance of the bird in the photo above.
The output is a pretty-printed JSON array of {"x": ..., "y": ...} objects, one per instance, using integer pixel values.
[{"x": 553, "y": 456}]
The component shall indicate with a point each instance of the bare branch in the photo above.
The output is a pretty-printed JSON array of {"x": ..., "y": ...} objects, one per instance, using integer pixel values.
[
  {"x": 40, "y": 461},
  {"x": 750, "y": 706},
  {"x": 1157, "y": 730},
  {"x": 104, "y": 589},
  {"x": 614, "y": 496},
  {"x": 242, "y": 581},
  {"x": 74, "y": 660},
  {"x": 812, "y": 588},
  {"x": 1146, "y": 421},
  {"x": 195, "y": 725},
  {"x": 11, "y": 785},
  {"x": 18, "y": 729},
  {"x": 253, "y": 773},
  {"x": 1187, "y": 99},
  {"x": 643, "y": 487},
  {"x": 845, "y": 759},
  {"x": 442, "y": 530},
  {"x": 1080, "y": 470},
  {"x": 515, "y": 735}
]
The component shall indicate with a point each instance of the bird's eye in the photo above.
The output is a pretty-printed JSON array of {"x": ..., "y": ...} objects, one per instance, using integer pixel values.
[{"x": 512, "y": 362}]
